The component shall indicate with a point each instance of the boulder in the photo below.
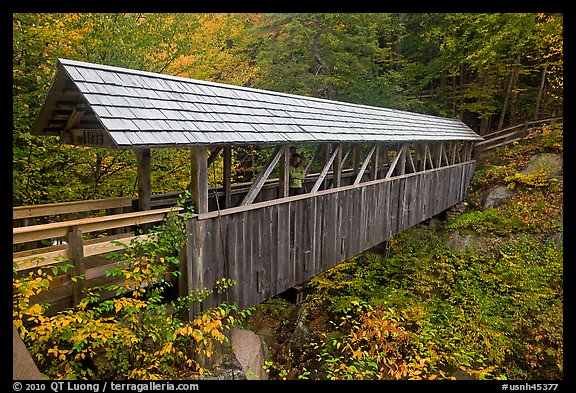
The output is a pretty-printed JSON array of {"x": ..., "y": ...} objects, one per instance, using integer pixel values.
[
  {"x": 247, "y": 347},
  {"x": 550, "y": 162},
  {"x": 497, "y": 196},
  {"x": 459, "y": 242}
]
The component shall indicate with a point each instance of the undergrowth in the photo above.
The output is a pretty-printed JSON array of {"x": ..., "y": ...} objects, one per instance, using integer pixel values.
[{"x": 428, "y": 311}]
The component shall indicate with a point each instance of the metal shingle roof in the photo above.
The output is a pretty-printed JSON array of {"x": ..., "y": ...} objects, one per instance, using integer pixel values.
[{"x": 140, "y": 108}]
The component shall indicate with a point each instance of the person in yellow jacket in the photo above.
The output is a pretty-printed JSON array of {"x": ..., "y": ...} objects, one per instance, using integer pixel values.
[{"x": 296, "y": 173}]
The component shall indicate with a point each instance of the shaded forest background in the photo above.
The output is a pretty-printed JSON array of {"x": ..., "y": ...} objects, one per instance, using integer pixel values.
[{"x": 490, "y": 70}]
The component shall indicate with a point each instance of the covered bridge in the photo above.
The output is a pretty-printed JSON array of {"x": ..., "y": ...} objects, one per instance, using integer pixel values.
[{"x": 382, "y": 170}]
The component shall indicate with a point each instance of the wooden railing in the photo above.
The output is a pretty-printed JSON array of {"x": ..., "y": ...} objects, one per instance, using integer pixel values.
[
  {"x": 73, "y": 230},
  {"x": 270, "y": 246},
  {"x": 511, "y": 134},
  {"x": 77, "y": 249},
  {"x": 82, "y": 238}
]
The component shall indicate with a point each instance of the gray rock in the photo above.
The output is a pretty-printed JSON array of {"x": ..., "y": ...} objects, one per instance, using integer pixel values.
[
  {"x": 459, "y": 242},
  {"x": 550, "y": 162},
  {"x": 247, "y": 347},
  {"x": 223, "y": 364},
  {"x": 497, "y": 196},
  {"x": 456, "y": 210}
]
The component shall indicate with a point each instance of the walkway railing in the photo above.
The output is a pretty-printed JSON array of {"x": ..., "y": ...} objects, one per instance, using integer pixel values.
[{"x": 270, "y": 246}]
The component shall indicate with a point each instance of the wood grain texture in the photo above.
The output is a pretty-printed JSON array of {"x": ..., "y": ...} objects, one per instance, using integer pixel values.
[{"x": 285, "y": 242}]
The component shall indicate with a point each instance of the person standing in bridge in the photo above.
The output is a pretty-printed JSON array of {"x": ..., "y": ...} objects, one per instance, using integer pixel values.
[{"x": 297, "y": 175}]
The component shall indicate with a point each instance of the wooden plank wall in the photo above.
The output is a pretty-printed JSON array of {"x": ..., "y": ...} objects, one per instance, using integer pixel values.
[{"x": 271, "y": 246}]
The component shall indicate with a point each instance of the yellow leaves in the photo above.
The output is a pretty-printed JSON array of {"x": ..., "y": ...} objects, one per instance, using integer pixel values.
[
  {"x": 166, "y": 349},
  {"x": 217, "y": 335},
  {"x": 80, "y": 356},
  {"x": 70, "y": 340},
  {"x": 35, "y": 310},
  {"x": 197, "y": 335},
  {"x": 59, "y": 354}
]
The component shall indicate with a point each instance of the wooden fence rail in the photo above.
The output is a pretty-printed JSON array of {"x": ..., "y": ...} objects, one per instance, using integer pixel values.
[
  {"x": 47, "y": 255},
  {"x": 51, "y": 209},
  {"x": 65, "y": 292},
  {"x": 512, "y": 134}
]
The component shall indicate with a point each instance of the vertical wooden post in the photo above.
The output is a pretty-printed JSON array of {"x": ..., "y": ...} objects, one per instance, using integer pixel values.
[
  {"x": 190, "y": 266},
  {"x": 445, "y": 152},
  {"x": 337, "y": 167},
  {"x": 356, "y": 152},
  {"x": 385, "y": 159},
  {"x": 438, "y": 149},
  {"x": 410, "y": 159},
  {"x": 283, "y": 175},
  {"x": 469, "y": 150},
  {"x": 429, "y": 154},
  {"x": 144, "y": 176},
  {"x": 325, "y": 158},
  {"x": 403, "y": 151},
  {"x": 375, "y": 162},
  {"x": 199, "y": 178},
  {"x": 421, "y": 149},
  {"x": 227, "y": 173},
  {"x": 76, "y": 256}
]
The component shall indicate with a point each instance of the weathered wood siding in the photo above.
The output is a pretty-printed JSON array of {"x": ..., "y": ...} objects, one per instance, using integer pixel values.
[{"x": 271, "y": 246}]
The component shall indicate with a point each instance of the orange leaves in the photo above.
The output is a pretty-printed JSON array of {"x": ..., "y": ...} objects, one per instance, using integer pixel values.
[{"x": 376, "y": 346}]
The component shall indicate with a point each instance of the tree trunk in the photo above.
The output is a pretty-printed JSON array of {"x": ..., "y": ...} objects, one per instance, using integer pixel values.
[
  {"x": 462, "y": 77},
  {"x": 329, "y": 88},
  {"x": 540, "y": 93},
  {"x": 516, "y": 72},
  {"x": 506, "y": 98},
  {"x": 484, "y": 117}
]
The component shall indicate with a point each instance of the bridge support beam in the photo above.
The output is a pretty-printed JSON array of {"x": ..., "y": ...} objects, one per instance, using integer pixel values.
[
  {"x": 227, "y": 174},
  {"x": 199, "y": 178},
  {"x": 190, "y": 259},
  {"x": 144, "y": 176}
]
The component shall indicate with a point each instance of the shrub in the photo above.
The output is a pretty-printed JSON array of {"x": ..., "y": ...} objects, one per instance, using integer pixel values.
[{"x": 134, "y": 335}]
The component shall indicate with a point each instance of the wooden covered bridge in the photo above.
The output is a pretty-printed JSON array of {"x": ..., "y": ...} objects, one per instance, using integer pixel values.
[{"x": 381, "y": 171}]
